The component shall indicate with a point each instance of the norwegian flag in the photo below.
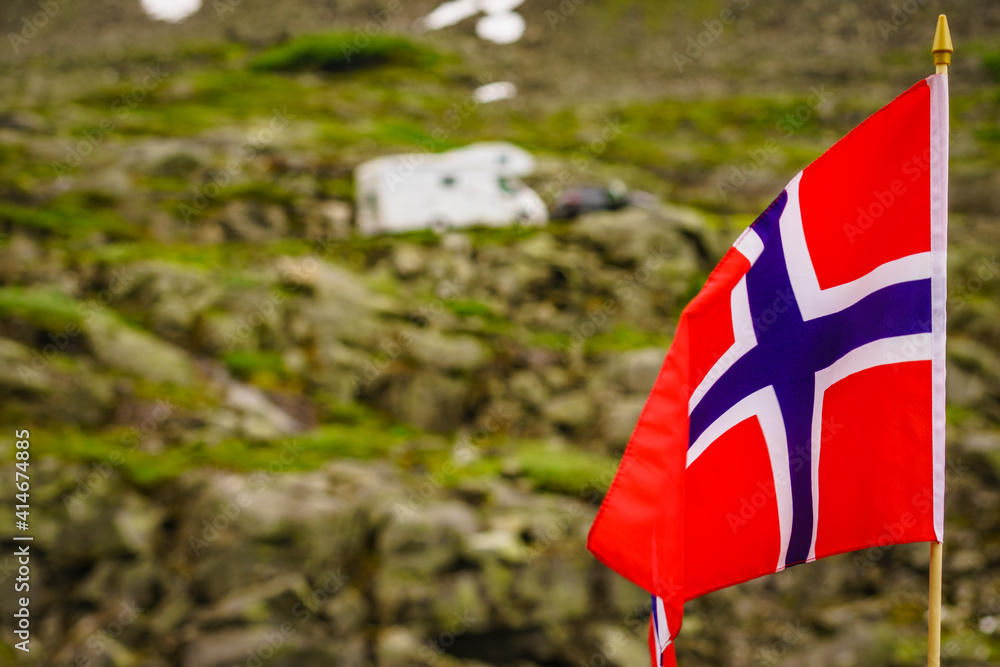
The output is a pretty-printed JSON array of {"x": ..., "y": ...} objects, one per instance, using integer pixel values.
[{"x": 800, "y": 411}]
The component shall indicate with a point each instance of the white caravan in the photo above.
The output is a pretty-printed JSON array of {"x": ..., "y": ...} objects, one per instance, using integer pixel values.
[{"x": 475, "y": 185}]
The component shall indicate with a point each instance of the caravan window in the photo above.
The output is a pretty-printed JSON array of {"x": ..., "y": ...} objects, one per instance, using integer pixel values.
[{"x": 448, "y": 181}]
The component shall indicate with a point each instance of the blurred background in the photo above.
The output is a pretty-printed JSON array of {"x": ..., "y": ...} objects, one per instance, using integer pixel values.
[{"x": 262, "y": 434}]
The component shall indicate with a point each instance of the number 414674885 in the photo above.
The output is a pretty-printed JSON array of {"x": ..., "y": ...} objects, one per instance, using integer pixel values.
[{"x": 22, "y": 455}]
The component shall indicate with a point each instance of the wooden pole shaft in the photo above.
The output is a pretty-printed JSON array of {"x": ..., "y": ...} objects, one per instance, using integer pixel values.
[
  {"x": 941, "y": 49},
  {"x": 934, "y": 607}
]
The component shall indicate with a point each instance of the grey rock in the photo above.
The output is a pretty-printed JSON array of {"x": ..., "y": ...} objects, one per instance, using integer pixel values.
[
  {"x": 502, "y": 544},
  {"x": 636, "y": 370},
  {"x": 408, "y": 260},
  {"x": 226, "y": 647},
  {"x": 457, "y": 243},
  {"x": 620, "y": 417},
  {"x": 427, "y": 535},
  {"x": 137, "y": 521},
  {"x": 134, "y": 352},
  {"x": 432, "y": 402},
  {"x": 170, "y": 295},
  {"x": 259, "y": 418},
  {"x": 397, "y": 647},
  {"x": 448, "y": 352},
  {"x": 256, "y": 603},
  {"x": 633, "y": 235},
  {"x": 574, "y": 409},
  {"x": 530, "y": 388},
  {"x": 332, "y": 284},
  {"x": 19, "y": 368},
  {"x": 348, "y": 612},
  {"x": 253, "y": 221}
]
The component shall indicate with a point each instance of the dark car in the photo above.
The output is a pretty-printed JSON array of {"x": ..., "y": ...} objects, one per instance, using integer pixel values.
[{"x": 576, "y": 201}]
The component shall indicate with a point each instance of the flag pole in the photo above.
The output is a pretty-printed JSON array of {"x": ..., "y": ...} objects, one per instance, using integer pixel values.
[{"x": 941, "y": 49}]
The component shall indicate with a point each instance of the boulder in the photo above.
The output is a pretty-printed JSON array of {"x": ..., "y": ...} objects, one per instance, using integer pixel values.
[
  {"x": 137, "y": 521},
  {"x": 633, "y": 235},
  {"x": 236, "y": 646},
  {"x": 456, "y": 352},
  {"x": 620, "y": 417},
  {"x": 259, "y": 418},
  {"x": 430, "y": 401},
  {"x": 61, "y": 388},
  {"x": 529, "y": 387},
  {"x": 636, "y": 370},
  {"x": 408, "y": 260},
  {"x": 261, "y": 603},
  {"x": 134, "y": 352},
  {"x": 427, "y": 535},
  {"x": 253, "y": 221},
  {"x": 573, "y": 410},
  {"x": 170, "y": 296}
]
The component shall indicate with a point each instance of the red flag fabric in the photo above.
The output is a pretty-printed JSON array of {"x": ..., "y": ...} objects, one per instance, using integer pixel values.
[{"x": 800, "y": 410}]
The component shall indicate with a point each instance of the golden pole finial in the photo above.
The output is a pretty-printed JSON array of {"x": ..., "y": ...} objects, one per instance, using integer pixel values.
[{"x": 942, "y": 47}]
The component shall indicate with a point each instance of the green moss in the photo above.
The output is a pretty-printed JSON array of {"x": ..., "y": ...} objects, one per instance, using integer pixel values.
[
  {"x": 467, "y": 308},
  {"x": 248, "y": 365},
  {"x": 238, "y": 258},
  {"x": 46, "y": 309},
  {"x": 263, "y": 191},
  {"x": 991, "y": 61},
  {"x": 622, "y": 337},
  {"x": 303, "y": 452},
  {"x": 956, "y": 415},
  {"x": 552, "y": 340},
  {"x": 71, "y": 216},
  {"x": 8, "y": 652},
  {"x": 341, "y": 52},
  {"x": 565, "y": 470},
  {"x": 176, "y": 396}
]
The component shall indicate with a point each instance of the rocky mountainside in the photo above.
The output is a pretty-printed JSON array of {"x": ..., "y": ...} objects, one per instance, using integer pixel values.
[{"x": 258, "y": 438}]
